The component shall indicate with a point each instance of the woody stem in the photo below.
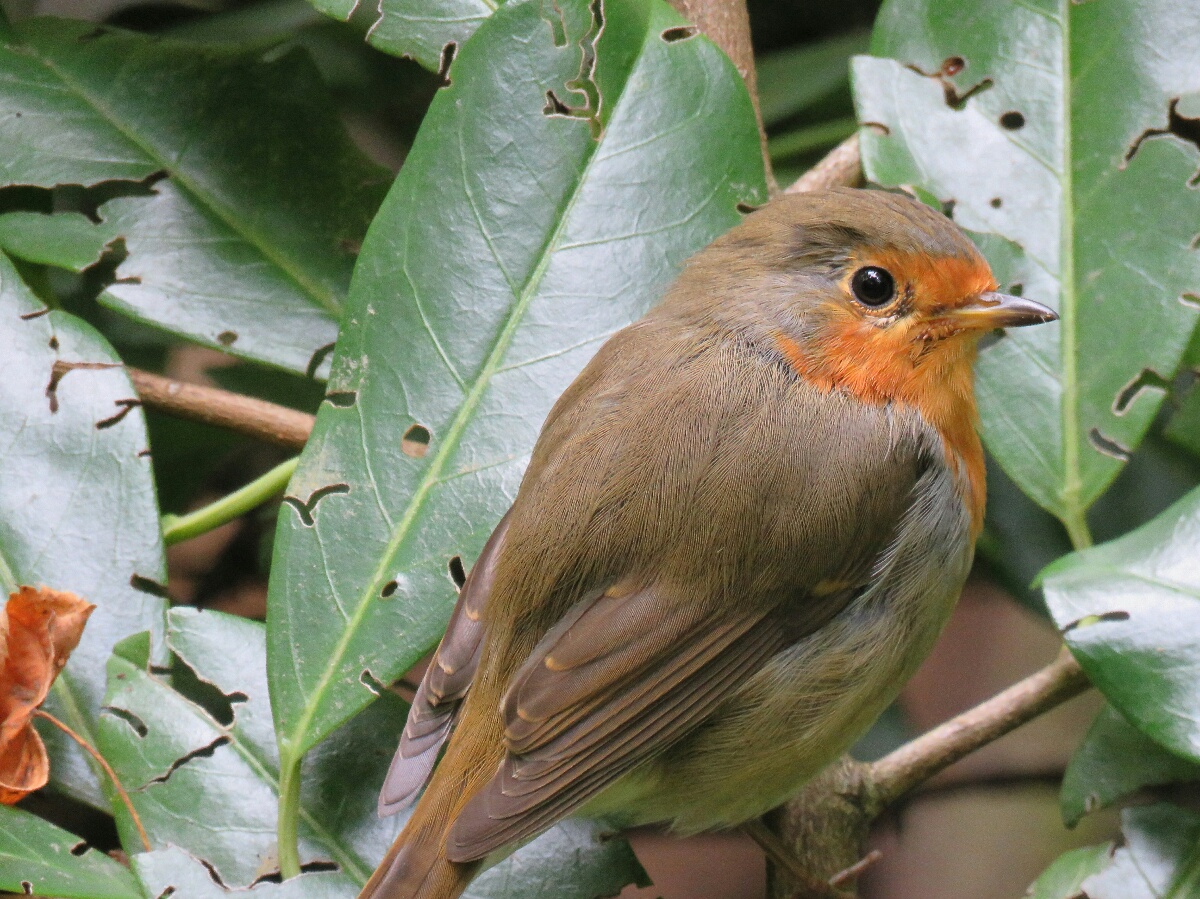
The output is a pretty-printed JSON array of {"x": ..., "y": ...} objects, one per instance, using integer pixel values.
[{"x": 112, "y": 775}]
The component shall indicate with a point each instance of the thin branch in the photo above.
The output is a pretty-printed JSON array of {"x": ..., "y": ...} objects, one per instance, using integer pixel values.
[
  {"x": 842, "y": 167},
  {"x": 809, "y": 885},
  {"x": 112, "y": 775},
  {"x": 896, "y": 774},
  {"x": 256, "y": 418}
]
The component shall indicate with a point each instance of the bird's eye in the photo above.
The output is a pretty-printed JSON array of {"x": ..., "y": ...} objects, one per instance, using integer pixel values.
[{"x": 873, "y": 286}]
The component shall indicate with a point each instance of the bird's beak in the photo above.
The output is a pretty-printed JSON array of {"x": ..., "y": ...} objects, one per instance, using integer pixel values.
[{"x": 1000, "y": 310}]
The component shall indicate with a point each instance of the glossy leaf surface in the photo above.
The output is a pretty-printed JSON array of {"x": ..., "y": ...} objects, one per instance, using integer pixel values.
[
  {"x": 1160, "y": 858},
  {"x": 1114, "y": 760},
  {"x": 201, "y": 766},
  {"x": 244, "y": 245},
  {"x": 423, "y": 28},
  {"x": 1053, "y": 124},
  {"x": 53, "y": 862},
  {"x": 516, "y": 239},
  {"x": 1131, "y": 613},
  {"x": 1067, "y": 873},
  {"x": 77, "y": 507}
]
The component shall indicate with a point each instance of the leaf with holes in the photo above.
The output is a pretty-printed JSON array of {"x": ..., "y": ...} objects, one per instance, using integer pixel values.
[
  {"x": 172, "y": 872},
  {"x": 429, "y": 31},
  {"x": 54, "y": 862},
  {"x": 1055, "y": 125},
  {"x": 539, "y": 211},
  {"x": 196, "y": 750},
  {"x": 228, "y": 181},
  {"x": 1130, "y": 610},
  {"x": 1114, "y": 760},
  {"x": 1063, "y": 878},
  {"x": 1160, "y": 858},
  {"x": 77, "y": 508}
]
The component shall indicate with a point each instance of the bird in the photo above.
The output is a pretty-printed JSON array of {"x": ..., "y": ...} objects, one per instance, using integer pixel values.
[{"x": 740, "y": 531}]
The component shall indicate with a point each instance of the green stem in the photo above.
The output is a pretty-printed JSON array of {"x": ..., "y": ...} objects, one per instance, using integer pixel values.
[
  {"x": 287, "y": 831},
  {"x": 814, "y": 137},
  {"x": 183, "y": 527},
  {"x": 1077, "y": 529}
]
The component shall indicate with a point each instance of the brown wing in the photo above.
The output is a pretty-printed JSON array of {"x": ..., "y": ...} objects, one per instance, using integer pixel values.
[
  {"x": 619, "y": 679},
  {"x": 445, "y": 684}
]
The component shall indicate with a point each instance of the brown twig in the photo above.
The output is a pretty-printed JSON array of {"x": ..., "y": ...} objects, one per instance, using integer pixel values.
[
  {"x": 809, "y": 885},
  {"x": 842, "y": 167},
  {"x": 852, "y": 873},
  {"x": 112, "y": 775},
  {"x": 727, "y": 24},
  {"x": 253, "y": 417},
  {"x": 915, "y": 762}
]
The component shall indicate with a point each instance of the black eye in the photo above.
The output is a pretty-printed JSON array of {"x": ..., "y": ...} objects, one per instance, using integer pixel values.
[{"x": 873, "y": 286}]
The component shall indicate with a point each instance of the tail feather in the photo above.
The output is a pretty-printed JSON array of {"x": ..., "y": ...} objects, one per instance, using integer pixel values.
[{"x": 416, "y": 867}]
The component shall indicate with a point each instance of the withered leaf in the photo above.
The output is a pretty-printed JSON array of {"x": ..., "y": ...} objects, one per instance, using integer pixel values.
[{"x": 39, "y": 628}]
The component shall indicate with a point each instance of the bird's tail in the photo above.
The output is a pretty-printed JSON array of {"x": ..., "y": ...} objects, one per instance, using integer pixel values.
[{"x": 416, "y": 866}]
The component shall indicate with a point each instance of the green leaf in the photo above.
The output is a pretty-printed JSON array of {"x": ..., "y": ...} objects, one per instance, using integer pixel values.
[
  {"x": 38, "y": 858},
  {"x": 1049, "y": 123},
  {"x": 198, "y": 757},
  {"x": 515, "y": 240},
  {"x": 1130, "y": 610},
  {"x": 77, "y": 509},
  {"x": 421, "y": 29},
  {"x": 247, "y": 243},
  {"x": 1114, "y": 760},
  {"x": 68, "y": 240},
  {"x": 187, "y": 877},
  {"x": 1160, "y": 858},
  {"x": 576, "y": 859},
  {"x": 1065, "y": 875},
  {"x": 790, "y": 81}
]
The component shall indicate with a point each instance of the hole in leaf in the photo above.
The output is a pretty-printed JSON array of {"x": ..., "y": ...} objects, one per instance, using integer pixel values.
[
  {"x": 148, "y": 585},
  {"x": 26, "y": 887},
  {"x": 342, "y": 399},
  {"x": 83, "y": 199},
  {"x": 1012, "y": 120},
  {"x": 54, "y": 343},
  {"x": 79, "y": 849},
  {"x": 166, "y": 894},
  {"x": 1147, "y": 379},
  {"x": 996, "y": 202},
  {"x": 1088, "y": 620},
  {"x": 124, "y": 407},
  {"x": 143, "y": 454},
  {"x": 203, "y": 752},
  {"x": 371, "y": 682},
  {"x": 306, "y": 510},
  {"x": 746, "y": 208},
  {"x": 679, "y": 33},
  {"x": 1185, "y": 128},
  {"x": 318, "y": 356},
  {"x": 415, "y": 442},
  {"x": 1191, "y": 300},
  {"x": 458, "y": 574},
  {"x": 1017, "y": 289},
  {"x": 449, "y": 51},
  {"x": 227, "y": 338},
  {"x": 45, "y": 310},
  {"x": 555, "y": 106},
  {"x": 61, "y": 369},
  {"x": 1108, "y": 446},
  {"x": 388, "y": 590},
  {"x": 954, "y": 99},
  {"x": 315, "y": 867},
  {"x": 138, "y": 725},
  {"x": 952, "y": 65}
]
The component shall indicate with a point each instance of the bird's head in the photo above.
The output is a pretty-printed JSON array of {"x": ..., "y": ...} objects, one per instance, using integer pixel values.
[{"x": 865, "y": 291}]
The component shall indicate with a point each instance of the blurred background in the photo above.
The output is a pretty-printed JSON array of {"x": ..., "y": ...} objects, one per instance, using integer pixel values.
[{"x": 983, "y": 829}]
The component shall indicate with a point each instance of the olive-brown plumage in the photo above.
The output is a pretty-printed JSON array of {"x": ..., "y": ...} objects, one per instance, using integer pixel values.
[{"x": 741, "y": 529}]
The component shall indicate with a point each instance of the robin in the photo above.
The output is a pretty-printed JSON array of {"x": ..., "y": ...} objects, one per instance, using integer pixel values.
[{"x": 741, "y": 530}]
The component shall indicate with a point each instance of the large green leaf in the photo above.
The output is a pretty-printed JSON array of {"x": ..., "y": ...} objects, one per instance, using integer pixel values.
[
  {"x": 1131, "y": 613},
  {"x": 38, "y": 858},
  {"x": 1114, "y": 760},
  {"x": 515, "y": 240},
  {"x": 1067, "y": 873},
  {"x": 77, "y": 508},
  {"x": 174, "y": 872},
  {"x": 199, "y": 759},
  {"x": 1160, "y": 858},
  {"x": 1053, "y": 124},
  {"x": 248, "y": 242}
]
